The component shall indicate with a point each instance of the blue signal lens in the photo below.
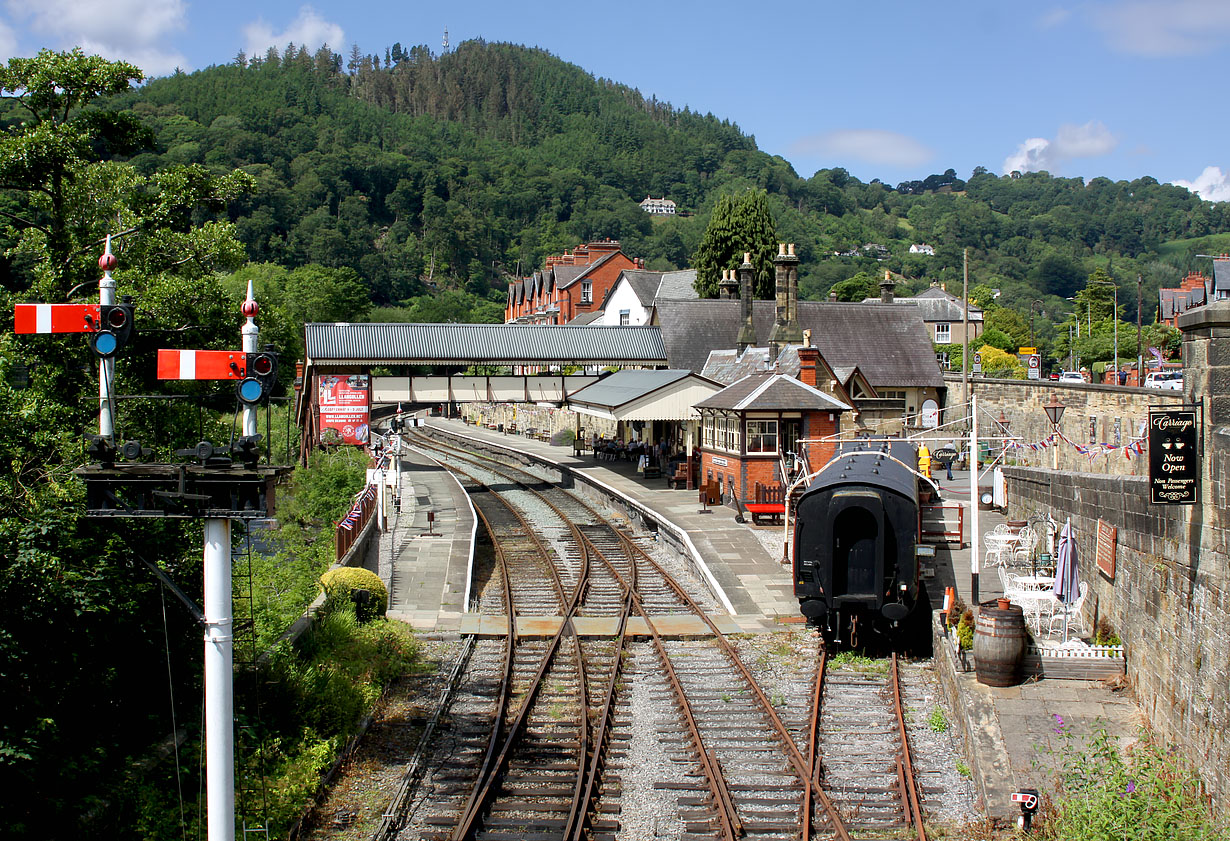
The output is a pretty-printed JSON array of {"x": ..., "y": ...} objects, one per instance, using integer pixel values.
[
  {"x": 250, "y": 390},
  {"x": 105, "y": 343}
]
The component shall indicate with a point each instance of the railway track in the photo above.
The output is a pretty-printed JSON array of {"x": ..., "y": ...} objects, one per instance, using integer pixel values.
[{"x": 541, "y": 746}]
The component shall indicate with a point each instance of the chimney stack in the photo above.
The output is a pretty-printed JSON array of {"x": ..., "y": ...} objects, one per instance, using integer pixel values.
[
  {"x": 886, "y": 288},
  {"x": 728, "y": 287},
  {"x": 786, "y": 328},
  {"x": 809, "y": 361},
  {"x": 747, "y": 294}
]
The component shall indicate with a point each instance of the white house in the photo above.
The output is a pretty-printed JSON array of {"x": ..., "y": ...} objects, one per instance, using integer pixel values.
[
  {"x": 632, "y": 298},
  {"x": 922, "y": 248},
  {"x": 658, "y": 207}
]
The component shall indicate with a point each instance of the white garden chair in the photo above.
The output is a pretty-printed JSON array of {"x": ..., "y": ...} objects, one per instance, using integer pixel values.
[{"x": 1073, "y": 612}]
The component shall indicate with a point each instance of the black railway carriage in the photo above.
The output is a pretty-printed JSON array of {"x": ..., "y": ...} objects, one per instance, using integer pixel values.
[{"x": 855, "y": 539}]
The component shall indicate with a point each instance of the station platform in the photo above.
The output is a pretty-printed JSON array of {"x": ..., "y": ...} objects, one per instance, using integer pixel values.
[{"x": 1007, "y": 731}]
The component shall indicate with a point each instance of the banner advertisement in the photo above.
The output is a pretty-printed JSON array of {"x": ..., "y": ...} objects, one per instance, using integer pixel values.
[
  {"x": 1174, "y": 466},
  {"x": 344, "y": 408}
]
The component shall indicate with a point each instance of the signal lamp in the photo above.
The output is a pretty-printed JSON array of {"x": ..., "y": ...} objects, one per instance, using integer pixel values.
[
  {"x": 114, "y": 329},
  {"x": 260, "y": 374}
]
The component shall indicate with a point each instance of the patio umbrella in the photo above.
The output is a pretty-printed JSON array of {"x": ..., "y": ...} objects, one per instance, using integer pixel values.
[{"x": 1067, "y": 581}]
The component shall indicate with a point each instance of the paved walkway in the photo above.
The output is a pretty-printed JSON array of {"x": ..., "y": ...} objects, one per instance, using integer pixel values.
[
  {"x": 427, "y": 573},
  {"x": 1013, "y": 728}
]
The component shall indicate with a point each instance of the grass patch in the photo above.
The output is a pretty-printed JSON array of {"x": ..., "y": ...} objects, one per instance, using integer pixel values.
[
  {"x": 938, "y": 721},
  {"x": 853, "y": 662}
]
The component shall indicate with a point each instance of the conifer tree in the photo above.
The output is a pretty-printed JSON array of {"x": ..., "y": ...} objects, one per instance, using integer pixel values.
[{"x": 737, "y": 225}]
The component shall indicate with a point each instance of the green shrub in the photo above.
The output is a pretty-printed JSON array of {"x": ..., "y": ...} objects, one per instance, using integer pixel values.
[
  {"x": 563, "y": 438},
  {"x": 341, "y": 583},
  {"x": 1145, "y": 792},
  {"x": 965, "y": 629}
]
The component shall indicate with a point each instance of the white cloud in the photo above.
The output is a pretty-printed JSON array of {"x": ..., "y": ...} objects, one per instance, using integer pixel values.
[
  {"x": 1091, "y": 140},
  {"x": 1055, "y": 17},
  {"x": 1210, "y": 185},
  {"x": 873, "y": 146},
  {"x": 1163, "y": 27},
  {"x": 309, "y": 30},
  {"x": 8, "y": 41},
  {"x": 133, "y": 30}
]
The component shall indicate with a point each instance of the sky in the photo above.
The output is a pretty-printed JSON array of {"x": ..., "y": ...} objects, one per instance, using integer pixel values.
[{"x": 888, "y": 89}]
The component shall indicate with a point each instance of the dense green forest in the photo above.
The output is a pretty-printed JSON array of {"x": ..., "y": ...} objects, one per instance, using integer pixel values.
[
  {"x": 462, "y": 170},
  {"x": 407, "y": 186}
]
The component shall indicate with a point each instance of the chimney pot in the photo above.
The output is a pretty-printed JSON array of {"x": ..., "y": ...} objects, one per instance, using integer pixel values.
[
  {"x": 790, "y": 249},
  {"x": 747, "y": 257},
  {"x": 781, "y": 249}
]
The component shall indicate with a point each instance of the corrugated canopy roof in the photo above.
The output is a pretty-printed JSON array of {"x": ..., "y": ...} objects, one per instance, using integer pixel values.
[
  {"x": 496, "y": 344},
  {"x": 623, "y": 387}
]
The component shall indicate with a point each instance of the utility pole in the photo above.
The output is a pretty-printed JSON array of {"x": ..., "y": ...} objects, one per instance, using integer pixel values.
[
  {"x": 965, "y": 348},
  {"x": 1140, "y": 357}
]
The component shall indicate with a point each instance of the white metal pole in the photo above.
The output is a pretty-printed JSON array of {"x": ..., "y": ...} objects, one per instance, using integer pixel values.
[
  {"x": 106, "y": 365},
  {"x": 219, "y": 684},
  {"x": 975, "y": 535},
  {"x": 250, "y": 335}
]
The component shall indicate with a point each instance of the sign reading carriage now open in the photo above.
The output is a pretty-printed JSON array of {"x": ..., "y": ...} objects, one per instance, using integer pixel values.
[{"x": 1174, "y": 465}]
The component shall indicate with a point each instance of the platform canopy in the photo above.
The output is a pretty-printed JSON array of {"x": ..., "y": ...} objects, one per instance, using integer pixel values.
[
  {"x": 344, "y": 344},
  {"x": 666, "y": 395}
]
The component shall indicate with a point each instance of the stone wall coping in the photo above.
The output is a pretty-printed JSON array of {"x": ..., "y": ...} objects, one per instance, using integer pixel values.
[
  {"x": 1053, "y": 384},
  {"x": 1214, "y": 314}
]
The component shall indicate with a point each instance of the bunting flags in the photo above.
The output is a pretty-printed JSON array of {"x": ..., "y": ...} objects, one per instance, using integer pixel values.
[{"x": 1091, "y": 451}]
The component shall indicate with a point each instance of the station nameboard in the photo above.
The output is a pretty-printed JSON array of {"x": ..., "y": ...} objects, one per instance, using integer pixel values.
[{"x": 1174, "y": 465}]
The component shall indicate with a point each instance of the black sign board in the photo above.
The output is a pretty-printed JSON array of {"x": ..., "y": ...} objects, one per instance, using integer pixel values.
[
  {"x": 944, "y": 455},
  {"x": 1174, "y": 468}
]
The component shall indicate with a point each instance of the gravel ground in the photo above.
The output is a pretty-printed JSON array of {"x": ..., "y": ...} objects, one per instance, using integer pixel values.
[{"x": 352, "y": 807}]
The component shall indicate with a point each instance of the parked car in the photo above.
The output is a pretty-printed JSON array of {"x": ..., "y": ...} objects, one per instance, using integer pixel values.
[
  {"x": 1169, "y": 380},
  {"x": 1071, "y": 377}
]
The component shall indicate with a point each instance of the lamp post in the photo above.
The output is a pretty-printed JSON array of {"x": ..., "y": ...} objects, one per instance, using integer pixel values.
[
  {"x": 1054, "y": 413},
  {"x": 1115, "y": 317},
  {"x": 1041, "y": 312}
]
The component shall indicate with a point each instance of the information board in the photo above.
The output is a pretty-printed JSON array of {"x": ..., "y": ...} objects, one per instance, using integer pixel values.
[
  {"x": 344, "y": 408},
  {"x": 1108, "y": 536},
  {"x": 1174, "y": 464}
]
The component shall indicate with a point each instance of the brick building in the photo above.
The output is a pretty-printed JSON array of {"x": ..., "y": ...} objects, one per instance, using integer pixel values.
[
  {"x": 569, "y": 286},
  {"x": 747, "y": 428}
]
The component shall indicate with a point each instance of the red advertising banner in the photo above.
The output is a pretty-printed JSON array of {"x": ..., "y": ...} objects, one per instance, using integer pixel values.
[{"x": 344, "y": 408}]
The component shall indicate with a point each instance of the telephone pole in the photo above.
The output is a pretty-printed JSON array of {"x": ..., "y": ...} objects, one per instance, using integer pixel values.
[
  {"x": 965, "y": 348},
  {"x": 1140, "y": 356}
]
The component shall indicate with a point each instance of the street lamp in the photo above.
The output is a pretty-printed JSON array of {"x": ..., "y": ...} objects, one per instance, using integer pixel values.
[
  {"x": 1042, "y": 313},
  {"x": 1115, "y": 317},
  {"x": 1054, "y": 413}
]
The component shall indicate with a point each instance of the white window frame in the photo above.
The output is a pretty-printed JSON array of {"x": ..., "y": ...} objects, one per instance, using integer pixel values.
[
  {"x": 943, "y": 334},
  {"x": 625, "y": 318},
  {"x": 762, "y": 436},
  {"x": 587, "y": 292}
]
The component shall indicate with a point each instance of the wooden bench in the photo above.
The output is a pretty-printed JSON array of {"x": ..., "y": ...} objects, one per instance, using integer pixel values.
[
  {"x": 679, "y": 479},
  {"x": 770, "y": 501}
]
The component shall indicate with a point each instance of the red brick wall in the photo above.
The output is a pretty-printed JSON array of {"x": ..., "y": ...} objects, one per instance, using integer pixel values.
[{"x": 817, "y": 425}]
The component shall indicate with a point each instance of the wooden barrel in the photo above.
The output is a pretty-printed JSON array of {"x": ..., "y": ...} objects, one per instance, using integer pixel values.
[{"x": 999, "y": 644}]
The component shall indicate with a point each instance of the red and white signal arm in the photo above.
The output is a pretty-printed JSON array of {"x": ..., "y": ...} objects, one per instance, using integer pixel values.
[
  {"x": 202, "y": 365},
  {"x": 56, "y": 318},
  {"x": 1028, "y": 799}
]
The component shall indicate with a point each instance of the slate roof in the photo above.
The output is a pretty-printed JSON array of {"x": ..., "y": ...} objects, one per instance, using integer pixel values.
[
  {"x": 1172, "y": 302},
  {"x": 678, "y": 286},
  {"x": 586, "y": 318},
  {"x": 623, "y": 387},
  {"x": 500, "y": 344},
  {"x": 936, "y": 305},
  {"x": 890, "y": 345},
  {"x": 1221, "y": 277},
  {"x": 771, "y": 392}
]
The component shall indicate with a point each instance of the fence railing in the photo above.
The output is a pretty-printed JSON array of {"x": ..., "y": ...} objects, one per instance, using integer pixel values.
[{"x": 351, "y": 526}]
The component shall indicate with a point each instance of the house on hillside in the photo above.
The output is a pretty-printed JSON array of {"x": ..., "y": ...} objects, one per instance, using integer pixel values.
[
  {"x": 942, "y": 312},
  {"x": 658, "y": 207},
  {"x": 922, "y": 248},
  {"x": 569, "y": 285}
]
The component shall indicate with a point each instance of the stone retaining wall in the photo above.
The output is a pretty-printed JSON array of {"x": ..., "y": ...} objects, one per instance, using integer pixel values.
[
  {"x": 1169, "y": 602},
  {"x": 1117, "y": 413}
]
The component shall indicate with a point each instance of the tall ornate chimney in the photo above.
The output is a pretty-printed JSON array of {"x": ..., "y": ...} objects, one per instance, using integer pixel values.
[
  {"x": 886, "y": 288},
  {"x": 747, "y": 294},
  {"x": 728, "y": 287},
  {"x": 786, "y": 328}
]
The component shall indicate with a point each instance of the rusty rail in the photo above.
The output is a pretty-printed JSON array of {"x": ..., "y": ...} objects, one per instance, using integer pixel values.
[{"x": 907, "y": 781}]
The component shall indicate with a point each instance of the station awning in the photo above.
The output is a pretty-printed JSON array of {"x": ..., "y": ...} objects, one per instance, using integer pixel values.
[{"x": 667, "y": 395}]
